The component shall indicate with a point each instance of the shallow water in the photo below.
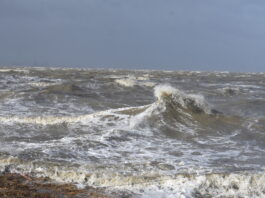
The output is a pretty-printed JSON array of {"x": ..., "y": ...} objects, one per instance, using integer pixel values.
[{"x": 152, "y": 133}]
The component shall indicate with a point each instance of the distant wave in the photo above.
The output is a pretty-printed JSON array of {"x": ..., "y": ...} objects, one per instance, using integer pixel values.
[
  {"x": 131, "y": 81},
  {"x": 230, "y": 91}
]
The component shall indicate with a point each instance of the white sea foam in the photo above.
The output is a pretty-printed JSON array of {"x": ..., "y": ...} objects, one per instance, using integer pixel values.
[
  {"x": 166, "y": 90},
  {"x": 145, "y": 77},
  {"x": 160, "y": 92},
  {"x": 212, "y": 185},
  {"x": 14, "y": 69},
  {"x": 148, "y": 84},
  {"x": 126, "y": 82},
  {"x": 163, "y": 91},
  {"x": 152, "y": 109},
  {"x": 131, "y": 81},
  {"x": 42, "y": 84},
  {"x": 143, "y": 149},
  {"x": 148, "y": 185},
  {"x": 107, "y": 115}
]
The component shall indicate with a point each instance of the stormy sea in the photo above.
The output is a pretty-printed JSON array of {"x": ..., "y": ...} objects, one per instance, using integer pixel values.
[{"x": 143, "y": 132}]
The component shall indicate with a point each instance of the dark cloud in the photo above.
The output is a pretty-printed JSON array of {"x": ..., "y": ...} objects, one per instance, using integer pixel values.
[{"x": 157, "y": 34}]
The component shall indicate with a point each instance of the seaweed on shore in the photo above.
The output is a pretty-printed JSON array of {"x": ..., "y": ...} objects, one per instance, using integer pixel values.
[{"x": 13, "y": 185}]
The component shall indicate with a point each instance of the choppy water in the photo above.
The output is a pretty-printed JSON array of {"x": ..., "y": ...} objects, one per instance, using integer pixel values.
[{"x": 149, "y": 133}]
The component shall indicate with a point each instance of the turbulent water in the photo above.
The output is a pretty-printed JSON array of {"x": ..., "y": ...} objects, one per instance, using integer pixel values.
[{"x": 146, "y": 133}]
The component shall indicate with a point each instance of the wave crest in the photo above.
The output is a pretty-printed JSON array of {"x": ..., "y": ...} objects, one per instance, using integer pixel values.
[
  {"x": 146, "y": 184},
  {"x": 195, "y": 103}
]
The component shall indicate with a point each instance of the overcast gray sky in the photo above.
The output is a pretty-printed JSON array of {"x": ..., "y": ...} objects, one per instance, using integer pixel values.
[{"x": 224, "y": 35}]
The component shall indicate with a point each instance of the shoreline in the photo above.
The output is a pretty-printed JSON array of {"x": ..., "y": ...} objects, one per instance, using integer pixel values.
[{"x": 13, "y": 185}]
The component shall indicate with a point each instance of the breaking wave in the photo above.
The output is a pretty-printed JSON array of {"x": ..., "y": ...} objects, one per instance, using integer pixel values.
[
  {"x": 105, "y": 129},
  {"x": 131, "y": 81},
  {"x": 126, "y": 82},
  {"x": 169, "y": 100},
  {"x": 192, "y": 102},
  {"x": 241, "y": 184}
]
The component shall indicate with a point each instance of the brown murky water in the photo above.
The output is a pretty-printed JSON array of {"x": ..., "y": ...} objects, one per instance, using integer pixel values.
[{"x": 136, "y": 131}]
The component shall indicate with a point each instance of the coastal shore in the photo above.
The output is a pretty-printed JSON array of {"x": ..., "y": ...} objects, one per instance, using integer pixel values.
[{"x": 13, "y": 185}]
